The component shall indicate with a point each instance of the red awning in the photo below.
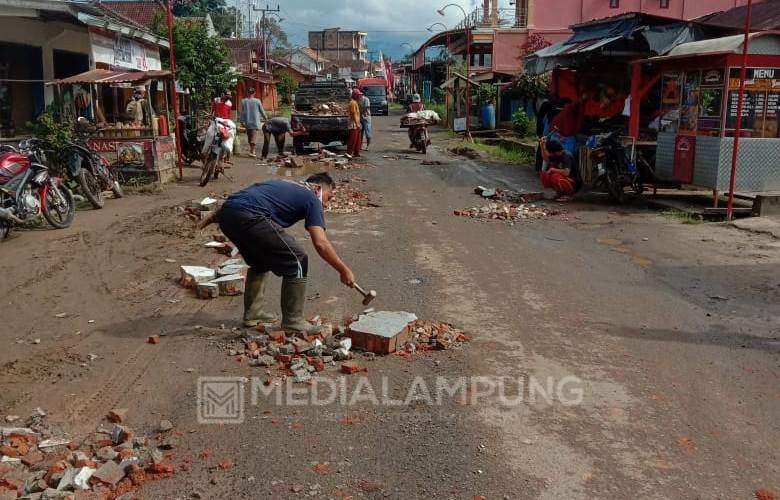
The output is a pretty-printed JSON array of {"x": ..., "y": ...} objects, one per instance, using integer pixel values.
[{"x": 108, "y": 76}]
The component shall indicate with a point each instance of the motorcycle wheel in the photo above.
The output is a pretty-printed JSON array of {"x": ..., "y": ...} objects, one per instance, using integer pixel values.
[
  {"x": 209, "y": 166},
  {"x": 116, "y": 188},
  {"x": 614, "y": 186},
  {"x": 60, "y": 207},
  {"x": 424, "y": 146},
  {"x": 90, "y": 186}
]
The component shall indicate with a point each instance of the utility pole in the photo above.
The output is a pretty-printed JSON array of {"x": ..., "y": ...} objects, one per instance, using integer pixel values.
[
  {"x": 265, "y": 43},
  {"x": 174, "y": 95}
]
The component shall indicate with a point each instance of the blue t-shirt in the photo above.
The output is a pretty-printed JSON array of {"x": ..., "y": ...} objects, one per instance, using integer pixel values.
[{"x": 284, "y": 202}]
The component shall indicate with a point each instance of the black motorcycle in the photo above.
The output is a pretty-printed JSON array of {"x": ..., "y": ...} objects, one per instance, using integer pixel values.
[
  {"x": 192, "y": 139},
  {"x": 90, "y": 171},
  {"x": 612, "y": 167}
]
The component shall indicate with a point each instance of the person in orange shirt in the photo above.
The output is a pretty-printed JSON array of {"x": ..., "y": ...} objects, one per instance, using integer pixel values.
[{"x": 355, "y": 143}]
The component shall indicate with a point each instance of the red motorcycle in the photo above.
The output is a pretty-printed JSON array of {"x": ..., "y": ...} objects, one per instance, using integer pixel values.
[{"x": 27, "y": 190}]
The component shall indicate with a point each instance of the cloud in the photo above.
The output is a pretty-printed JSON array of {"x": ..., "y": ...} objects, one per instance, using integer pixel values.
[{"x": 388, "y": 23}]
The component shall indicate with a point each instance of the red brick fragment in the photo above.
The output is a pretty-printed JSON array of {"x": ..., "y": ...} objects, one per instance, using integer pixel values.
[
  {"x": 278, "y": 336},
  {"x": 32, "y": 457},
  {"x": 322, "y": 468},
  {"x": 350, "y": 367},
  {"x": 118, "y": 415},
  {"x": 226, "y": 465},
  {"x": 153, "y": 339}
]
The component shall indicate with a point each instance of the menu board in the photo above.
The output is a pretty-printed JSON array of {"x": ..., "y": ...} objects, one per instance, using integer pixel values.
[{"x": 760, "y": 106}]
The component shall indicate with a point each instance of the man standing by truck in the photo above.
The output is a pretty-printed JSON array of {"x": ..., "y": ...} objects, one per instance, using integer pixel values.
[
  {"x": 355, "y": 131},
  {"x": 365, "y": 119}
]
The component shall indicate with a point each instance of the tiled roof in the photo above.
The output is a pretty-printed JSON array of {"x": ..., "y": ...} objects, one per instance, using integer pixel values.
[
  {"x": 315, "y": 55},
  {"x": 140, "y": 13}
]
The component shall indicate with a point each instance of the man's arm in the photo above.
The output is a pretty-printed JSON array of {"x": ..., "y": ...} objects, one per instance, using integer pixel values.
[
  {"x": 262, "y": 110},
  {"x": 328, "y": 253}
]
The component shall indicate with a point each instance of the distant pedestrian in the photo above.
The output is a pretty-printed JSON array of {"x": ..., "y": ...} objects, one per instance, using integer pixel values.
[
  {"x": 365, "y": 119},
  {"x": 355, "y": 131},
  {"x": 279, "y": 128},
  {"x": 252, "y": 117}
]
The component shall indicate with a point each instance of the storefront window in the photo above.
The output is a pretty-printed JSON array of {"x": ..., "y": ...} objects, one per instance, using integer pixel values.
[
  {"x": 671, "y": 93},
  {"x": 689, "y": 112}
]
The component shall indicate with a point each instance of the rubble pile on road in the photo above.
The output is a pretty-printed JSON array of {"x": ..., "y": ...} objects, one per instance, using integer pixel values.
[
  {"x": 347, "y": 199},
  {"x": 508, "y": 195},
  {"x": 110, "y": 463},
  {"x": 341, "y": 347},
  {"x": 508, "y": 206},
  {"x": 429, "y": 335},
  {"x": 508, "y": 212},
  {"x": 324, "y": 159}
]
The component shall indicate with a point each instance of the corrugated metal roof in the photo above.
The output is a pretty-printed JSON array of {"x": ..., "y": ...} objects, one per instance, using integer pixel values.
[
  {"x": 769, "y": 43},
  {"x": 766, "y": 16},
  {"x": 107, "y": 76}
]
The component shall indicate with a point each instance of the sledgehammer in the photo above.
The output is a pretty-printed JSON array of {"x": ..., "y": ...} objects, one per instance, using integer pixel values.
[{"x": 367, "y": 296}]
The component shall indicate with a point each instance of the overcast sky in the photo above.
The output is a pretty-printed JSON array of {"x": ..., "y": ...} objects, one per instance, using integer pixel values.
[{"x": 388, "y": 23}]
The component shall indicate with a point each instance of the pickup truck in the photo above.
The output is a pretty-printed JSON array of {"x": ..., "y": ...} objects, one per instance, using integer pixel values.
[{"x": 323, "y": 125}]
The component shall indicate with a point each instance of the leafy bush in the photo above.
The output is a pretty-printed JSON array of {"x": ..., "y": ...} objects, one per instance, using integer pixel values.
[
  {"x": 286, "y": 87},
  {"x": 439, "y": 95},
  {"x": 523, "y": 123},
  {"x": 50, "y": 128},
  {"x": 533, "y": 86},
  {"x": 486, "y": 94}
]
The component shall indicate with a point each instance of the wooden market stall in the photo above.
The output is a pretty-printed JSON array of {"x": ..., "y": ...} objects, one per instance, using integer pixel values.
[
  {"x": 696, "y": 123},
  {"x": 125, "y": 115}
]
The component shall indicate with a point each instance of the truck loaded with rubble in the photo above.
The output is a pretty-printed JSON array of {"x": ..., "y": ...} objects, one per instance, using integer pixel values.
[{"x": 322, "y": 108}]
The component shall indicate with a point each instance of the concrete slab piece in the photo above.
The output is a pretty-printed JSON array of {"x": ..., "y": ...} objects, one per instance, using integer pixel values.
[
  {"x": 380, "y": 332},
  {"x": 383, "y": 323}
]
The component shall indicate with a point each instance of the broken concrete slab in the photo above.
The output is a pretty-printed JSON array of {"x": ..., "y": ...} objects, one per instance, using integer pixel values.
[
  {"x": 230, "y": 285},
  {"x": 110, "y": 473},
  {"x": 192, "y": 275},
  {"x": 381, "y": 332},
  {"x": 207, "y": 290}
]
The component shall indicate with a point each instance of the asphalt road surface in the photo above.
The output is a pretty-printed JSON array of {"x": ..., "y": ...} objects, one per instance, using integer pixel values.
[{"x": 641, "y": 356}]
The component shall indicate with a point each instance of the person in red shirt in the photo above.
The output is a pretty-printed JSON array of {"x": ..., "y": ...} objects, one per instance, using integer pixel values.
[{"x": 222, "y": 106}]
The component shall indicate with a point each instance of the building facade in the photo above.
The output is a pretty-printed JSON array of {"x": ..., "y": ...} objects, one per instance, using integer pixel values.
[
  {"x": 340, "y": 47},
  {"x": 42, "y": 40}
]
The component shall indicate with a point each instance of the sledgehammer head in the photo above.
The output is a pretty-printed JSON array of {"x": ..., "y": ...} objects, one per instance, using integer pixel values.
[{"x": 367, "y": 298}]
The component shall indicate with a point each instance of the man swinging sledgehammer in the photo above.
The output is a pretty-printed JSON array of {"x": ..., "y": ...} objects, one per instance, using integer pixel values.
[{"x": 255, "y": 219}]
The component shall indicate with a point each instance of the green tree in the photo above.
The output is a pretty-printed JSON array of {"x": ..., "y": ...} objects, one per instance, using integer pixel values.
[
  {"x": 286, "y": 87},
  {"x": 202, "y": 62}
]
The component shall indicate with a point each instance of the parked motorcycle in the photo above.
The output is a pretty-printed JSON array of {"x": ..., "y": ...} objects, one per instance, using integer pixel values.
[
  {"x": 91, "y": 171},
  {"x": 27, "y": 190},
  {"x": 612, "y": 167},
  {"x": 217, "y": 145},
  {"x": 192, "y": 140}
]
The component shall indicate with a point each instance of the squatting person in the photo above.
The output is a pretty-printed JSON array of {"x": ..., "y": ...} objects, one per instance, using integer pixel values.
[
  {"x": 279, "y": 128},
  {"x": 561, "y": 174},
  {"x": 255, "y": 220}
]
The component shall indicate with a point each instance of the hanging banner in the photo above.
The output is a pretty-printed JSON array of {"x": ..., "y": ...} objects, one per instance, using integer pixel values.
[{"x": 117, "y": 51}]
